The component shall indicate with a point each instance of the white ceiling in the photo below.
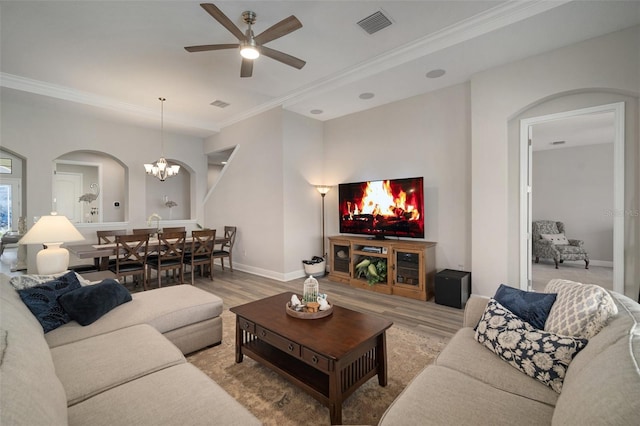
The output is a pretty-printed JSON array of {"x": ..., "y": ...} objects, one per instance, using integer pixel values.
[
  {"x": 115, "y": 58},
  {"x": 579, "y": 130}
]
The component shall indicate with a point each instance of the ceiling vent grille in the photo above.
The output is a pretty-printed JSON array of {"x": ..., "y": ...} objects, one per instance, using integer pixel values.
[
  {"x": 375, "y": 22},
  {"x": 220, "y": 104}
]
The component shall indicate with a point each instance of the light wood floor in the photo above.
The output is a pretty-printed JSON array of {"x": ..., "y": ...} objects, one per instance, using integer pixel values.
[{"x": 236, "y": 288}]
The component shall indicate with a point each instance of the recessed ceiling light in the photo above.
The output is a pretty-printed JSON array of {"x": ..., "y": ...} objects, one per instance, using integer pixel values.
[
  {"x": 316, "y": 111},
  {"x": 436, "y": 73},
  {"x": 366, "y": 95}
]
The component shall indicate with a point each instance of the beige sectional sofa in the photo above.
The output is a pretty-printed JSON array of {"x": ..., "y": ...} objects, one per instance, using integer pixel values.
[
  {"x": 126, "y": 368},
  {"x": 470, "y": 385}
]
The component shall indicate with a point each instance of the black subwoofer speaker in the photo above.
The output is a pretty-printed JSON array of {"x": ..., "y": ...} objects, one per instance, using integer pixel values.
[{"x": 453, "y": 288}]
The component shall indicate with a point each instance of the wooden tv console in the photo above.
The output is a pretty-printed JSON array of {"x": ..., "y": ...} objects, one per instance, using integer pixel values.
[{"x": 411, "y": 265}]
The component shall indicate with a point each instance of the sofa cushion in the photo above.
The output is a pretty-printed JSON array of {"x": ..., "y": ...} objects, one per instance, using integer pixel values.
[
  {"x": 537, "y": 353},
  {"x": 86, "y": 304},
  {"x": 30, "y": 391},
  {"x": 166, "y": 309},
  {"x": 603, "y": 384},
  {"x": 531, "y": 306},
  {"x": 464, "y": 354},
  {"x": 441, "y": 396},
  {"x": 178, "y": 395},
  {"x": 102, "y": 366},
  {"x": 42, "y": 300},
  {"x": 580, "y": 310}
]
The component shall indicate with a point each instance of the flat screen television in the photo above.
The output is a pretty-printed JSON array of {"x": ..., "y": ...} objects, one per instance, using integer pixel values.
[{"x": 382, "y": 208}]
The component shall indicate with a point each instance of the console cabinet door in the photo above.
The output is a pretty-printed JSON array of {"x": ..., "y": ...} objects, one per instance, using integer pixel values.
[{"x": 408, "y": 273}]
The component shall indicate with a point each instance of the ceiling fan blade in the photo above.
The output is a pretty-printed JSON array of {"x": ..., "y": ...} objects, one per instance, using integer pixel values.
[
  {"x": 246, "y": 69},
  {"x": 207, "y": 47},
  {"x": 278, "y": 30},
  {"x": 219, "y": 16},
  {"x": 282, "y": 57}
]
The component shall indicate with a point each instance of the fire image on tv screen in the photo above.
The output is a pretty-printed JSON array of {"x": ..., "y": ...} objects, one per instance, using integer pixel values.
[{"x": 382, "y": 208}]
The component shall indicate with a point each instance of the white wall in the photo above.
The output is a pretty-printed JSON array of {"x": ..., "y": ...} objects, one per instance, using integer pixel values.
[
  {"x": 251, "y": 194},
  {"x": 609, "y": 63},
  {"x": 427, "y": 135},
  {"x": 303, "y": 168},
  {"x": 575, "y": 186},
  {"x": 266, "y": 191}
]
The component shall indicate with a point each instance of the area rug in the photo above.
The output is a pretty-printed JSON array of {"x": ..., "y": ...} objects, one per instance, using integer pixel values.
[{"x": 275, "y": 401}]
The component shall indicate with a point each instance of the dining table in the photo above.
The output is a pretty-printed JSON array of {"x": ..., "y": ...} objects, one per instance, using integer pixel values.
[{"x": 100, "y": 253}]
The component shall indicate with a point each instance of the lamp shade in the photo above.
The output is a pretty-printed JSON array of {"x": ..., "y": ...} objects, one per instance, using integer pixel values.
[
  {"x": 52, "y": 231},
  {"x": 323, "y": 189}
]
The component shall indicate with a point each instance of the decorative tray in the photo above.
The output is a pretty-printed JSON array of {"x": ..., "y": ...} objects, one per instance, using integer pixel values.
[{"x": 308, "y": 315}]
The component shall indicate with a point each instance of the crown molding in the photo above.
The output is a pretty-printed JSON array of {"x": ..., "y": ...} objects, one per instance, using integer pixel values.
[{"x": 56, "y": 91}]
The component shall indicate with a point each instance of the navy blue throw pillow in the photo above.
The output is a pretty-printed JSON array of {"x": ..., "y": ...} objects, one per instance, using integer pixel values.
[
  {"x": 530, "y": 306},
  {"x": 42, "y": 300},
  {"x": 88, "y": 303}
]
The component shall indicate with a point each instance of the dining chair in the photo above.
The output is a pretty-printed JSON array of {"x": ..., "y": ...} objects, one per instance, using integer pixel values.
[
  {"x": 201, "y": 252},
  {"x": 131, "y": 256},
  {"x": 226, "y": 248},
  {"x": 148, "y": 231},
  {"x": 169, "y": 256},
  {"x": 109, "y": 236},
  {"x": 174, "y": 229}
]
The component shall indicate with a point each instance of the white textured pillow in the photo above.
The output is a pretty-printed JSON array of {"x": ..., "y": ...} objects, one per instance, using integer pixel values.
[
  {"x": 559, "y": 239},
  {"x": 580, "y": 310},
  {"x": 21, "y": 282}
]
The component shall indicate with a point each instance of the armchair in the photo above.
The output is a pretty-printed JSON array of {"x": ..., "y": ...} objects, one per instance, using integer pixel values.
[{"x": 550, "y": 242}]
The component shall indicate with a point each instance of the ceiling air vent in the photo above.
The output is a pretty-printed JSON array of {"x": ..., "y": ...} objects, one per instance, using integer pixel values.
[
  {"x": 375, "y": 22},
  {"x": 220, "y": 104}
]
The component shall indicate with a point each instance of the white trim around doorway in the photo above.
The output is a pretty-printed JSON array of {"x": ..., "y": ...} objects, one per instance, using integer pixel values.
[{"x": 618, "y": 190}]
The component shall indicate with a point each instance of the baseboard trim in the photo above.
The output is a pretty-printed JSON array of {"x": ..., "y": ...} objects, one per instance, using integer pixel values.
[
  {"x": 604, "y": 263},
  {"x": 266, "y": 273}
]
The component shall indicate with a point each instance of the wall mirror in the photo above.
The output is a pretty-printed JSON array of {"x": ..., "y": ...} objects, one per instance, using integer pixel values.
[{"x": 89, "y": 187}]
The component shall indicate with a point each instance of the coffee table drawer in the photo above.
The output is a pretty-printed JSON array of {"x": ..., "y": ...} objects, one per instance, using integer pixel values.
[
  {"x": 247, "y": 325},
  {"x": 317, "y": 360},
  {"x": 278, "y": 341}
]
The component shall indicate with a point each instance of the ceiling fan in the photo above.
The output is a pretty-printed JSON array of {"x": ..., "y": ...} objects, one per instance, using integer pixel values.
[{"x": 252, "y": 46}]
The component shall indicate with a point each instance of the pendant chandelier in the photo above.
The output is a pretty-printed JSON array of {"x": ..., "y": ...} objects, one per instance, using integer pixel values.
[{"x": 161, "y": 169}]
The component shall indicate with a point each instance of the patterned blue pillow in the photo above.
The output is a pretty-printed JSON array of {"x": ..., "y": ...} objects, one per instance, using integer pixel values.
[
  {"x": 42, "y": 300},
  {"x": 532, "y": 307},
  {"x": 539, "y": 354}
]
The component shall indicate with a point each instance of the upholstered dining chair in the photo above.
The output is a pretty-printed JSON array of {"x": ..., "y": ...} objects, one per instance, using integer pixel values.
[
  {"x": 131, "y": 256},
  {"x": 201, "y": 252},
  {"x": 169, "y": 256},
  {"x": 549, "y": 242},
  {"x": 226, "y": 248}
]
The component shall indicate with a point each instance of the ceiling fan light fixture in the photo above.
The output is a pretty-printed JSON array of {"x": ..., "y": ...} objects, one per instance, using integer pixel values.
[{"x": 249, "y": 50}]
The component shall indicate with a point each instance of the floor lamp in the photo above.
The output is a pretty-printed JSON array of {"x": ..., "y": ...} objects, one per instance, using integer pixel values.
[{"x": 323, "y": 189}]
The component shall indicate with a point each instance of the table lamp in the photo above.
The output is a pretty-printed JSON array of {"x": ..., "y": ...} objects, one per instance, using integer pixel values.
[{"x": 52, "y": 231}]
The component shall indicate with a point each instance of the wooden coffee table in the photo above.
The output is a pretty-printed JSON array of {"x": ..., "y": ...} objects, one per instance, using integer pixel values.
[{"x": 328, "y": 357}]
